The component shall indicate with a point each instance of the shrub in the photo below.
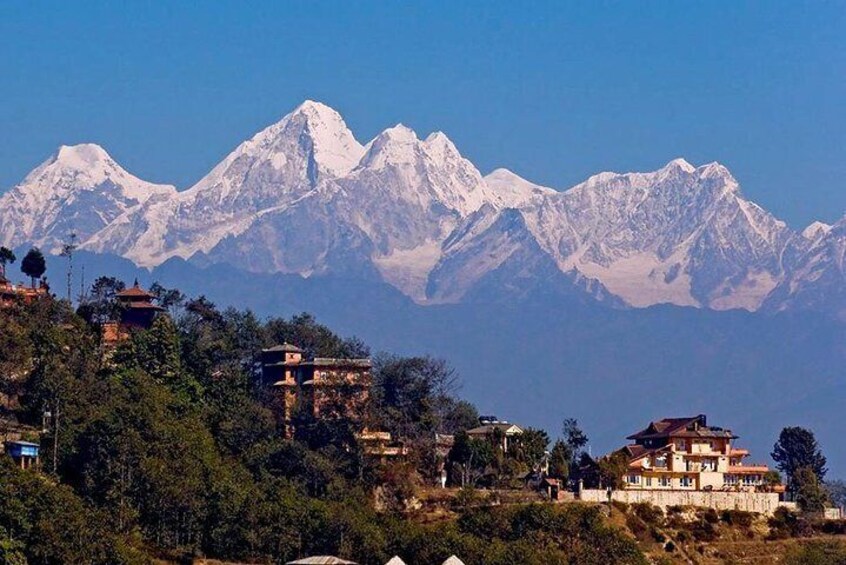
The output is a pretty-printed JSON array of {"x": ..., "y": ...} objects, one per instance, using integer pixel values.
[
  {"x": 683, "y": 537},
  {"x": 828, "y": 552},
  {"x": 648, "y": 513},
  {"x": 638, "y": 528},
  {"x": 710, "y": 516},
  {"x": 621, "y": 506},
  {"x": 832, "y": 527},
  {"x": 786, "y": 523},
  {"x": 704, "y": 530},
  {"x": 738, "y": 518},
  {"x": 467, "y": 496}
]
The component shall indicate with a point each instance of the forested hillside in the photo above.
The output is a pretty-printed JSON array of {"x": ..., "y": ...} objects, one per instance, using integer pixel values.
[{"x": 166, "y": 447}]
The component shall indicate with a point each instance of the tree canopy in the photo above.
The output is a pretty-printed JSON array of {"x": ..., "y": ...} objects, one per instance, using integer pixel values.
[
  {"x": 33, "y": 264},
  {"x": 797, "y": 448}
]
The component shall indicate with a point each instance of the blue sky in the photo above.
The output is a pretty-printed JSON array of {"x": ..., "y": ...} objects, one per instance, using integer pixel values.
[{"x": 554, "y": 91}]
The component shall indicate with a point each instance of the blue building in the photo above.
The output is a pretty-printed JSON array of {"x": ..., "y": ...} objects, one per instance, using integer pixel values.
[{"x": 25, "y": 453}]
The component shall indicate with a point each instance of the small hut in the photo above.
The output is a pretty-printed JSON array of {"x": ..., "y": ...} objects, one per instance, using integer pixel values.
[
  {"x": 453, "y": 560},
  {"x": 24, "y": 453},
  {"x": 395, "y": 560}
]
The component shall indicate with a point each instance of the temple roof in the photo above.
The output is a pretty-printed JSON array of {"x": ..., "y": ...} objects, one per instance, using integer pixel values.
[{"x": 135, "y": 291}]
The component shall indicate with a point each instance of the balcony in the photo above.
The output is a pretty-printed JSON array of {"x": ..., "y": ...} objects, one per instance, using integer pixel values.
[{"x": 758, "y": 468}]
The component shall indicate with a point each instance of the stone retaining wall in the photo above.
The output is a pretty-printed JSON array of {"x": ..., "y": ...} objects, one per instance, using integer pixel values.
[{"x": 760, "y": 502}]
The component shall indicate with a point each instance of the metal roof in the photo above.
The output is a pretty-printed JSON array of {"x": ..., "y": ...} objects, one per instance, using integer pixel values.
[
  {"x": 321, "y": 560},
  {"x": 286, "y": 347}
]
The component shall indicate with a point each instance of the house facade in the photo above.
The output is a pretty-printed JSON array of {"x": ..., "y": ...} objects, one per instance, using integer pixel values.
[
  {"x": 319, "y": 388},
  {"x": 688, "y": 454},
  {"x": 499, "y": 432}
]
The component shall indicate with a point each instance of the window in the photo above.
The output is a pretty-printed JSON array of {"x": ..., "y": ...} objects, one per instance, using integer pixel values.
[
  {"x": 661, "y": 460},
  {"x": 730, "y": 480},
  {"x": 664, "y": 481},
  {"x": 686, "y": 482},
  {"x": 649, "y": 481},
  {"x": 709, "y": 464},
  {"x": 633, "y": 479}
]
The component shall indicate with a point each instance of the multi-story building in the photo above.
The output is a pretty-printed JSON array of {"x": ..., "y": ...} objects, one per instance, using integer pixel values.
[
  {"x": 318, "y": 388},
  {"x": 688, "y": 454}
]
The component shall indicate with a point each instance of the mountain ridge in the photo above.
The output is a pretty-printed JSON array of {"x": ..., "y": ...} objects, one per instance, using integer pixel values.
[{"x": 303, "y": 196}]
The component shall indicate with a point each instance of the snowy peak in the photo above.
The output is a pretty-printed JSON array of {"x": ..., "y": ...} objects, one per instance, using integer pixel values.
[
  {"x": 281, "y": 162},
  {"x": 83, "y": 156},
  {"x": 513, "y": 189},
  {"x": 816, "y": 230},
  {"x": 678, "y": 165},
  {"x": 80, "y": 189},
  {"x": 334, "y": 145},
  {"x": 396, "y": 145}
]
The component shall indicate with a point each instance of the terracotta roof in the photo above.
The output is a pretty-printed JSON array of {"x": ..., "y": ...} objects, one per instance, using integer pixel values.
[
  {"x": 134, "y": 292},
  {"x": 285, "y": 347}
]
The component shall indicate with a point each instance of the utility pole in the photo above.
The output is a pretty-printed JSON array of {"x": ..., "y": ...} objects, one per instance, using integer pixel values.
[
  {"x": 67, "y": 251},
  {"x": 56, "y": 438}
]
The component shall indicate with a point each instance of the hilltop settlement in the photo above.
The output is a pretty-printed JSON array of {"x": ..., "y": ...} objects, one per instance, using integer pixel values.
[{"x": 139, "y": 425}]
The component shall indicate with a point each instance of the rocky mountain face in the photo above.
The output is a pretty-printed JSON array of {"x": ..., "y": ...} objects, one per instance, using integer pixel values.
[{"x": 305, "y": 197}]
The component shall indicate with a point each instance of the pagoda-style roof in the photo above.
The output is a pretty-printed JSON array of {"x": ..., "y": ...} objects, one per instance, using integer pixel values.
[{"x": 135, "y": 291}]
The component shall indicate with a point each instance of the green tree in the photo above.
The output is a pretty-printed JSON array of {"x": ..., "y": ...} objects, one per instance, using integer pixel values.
[
  {"x": 100, "y": 304},
  {"x": 530, "y": 447},
  {"x": 797, "y": 448},
  {"x": 471, "y": 456},
  {"x": 6, "y": 256},
  {"x": 836, "y": 491},
  {"x": 412, "y": 396},
  {"x": 559, "y": 461},
  {"x": 612, "y": 468},
  {"x": 171, "y": 299},
  {"x": 810, "y": 494},
  {"x": 33, "y": 265}
]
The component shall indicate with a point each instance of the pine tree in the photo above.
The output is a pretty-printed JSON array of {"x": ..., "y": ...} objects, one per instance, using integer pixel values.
[
  {"x": 797, "y": 448},
  {"x": 6, "y": 256},
  {"x": 34, "y": 265}
]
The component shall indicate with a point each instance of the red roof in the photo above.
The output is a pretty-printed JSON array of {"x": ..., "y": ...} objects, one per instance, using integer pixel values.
[{"x": 135, "y": 292}]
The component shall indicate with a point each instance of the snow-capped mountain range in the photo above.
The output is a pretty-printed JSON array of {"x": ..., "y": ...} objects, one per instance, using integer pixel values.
[{"x": 304, "y": 196}]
